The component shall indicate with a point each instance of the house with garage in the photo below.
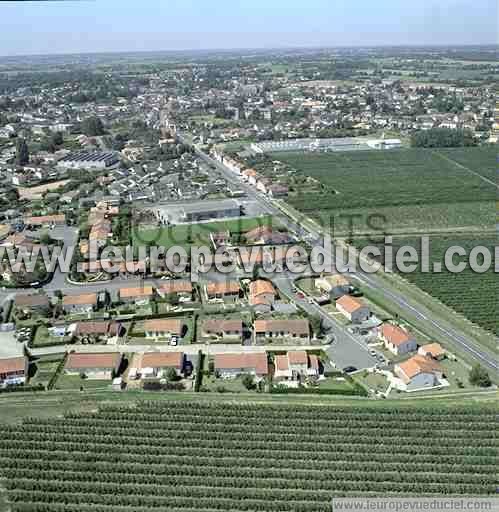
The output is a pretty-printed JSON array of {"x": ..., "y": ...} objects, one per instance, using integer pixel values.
[
  {"x": 80, "y": 303},
  {"x": 163, "y": 328},
  {"x": 228, "y": 291},
  {"x": 230, "y": 366},
  {"x": 154, "y": 365},
  {"x": 295, "y": 365},
  {"x": 397, "y": 340},
  {"x": 353, "y": 309},
  {"x": 262, "y": 295},
  {"x": 222, "y": 330},
  {"x": 432, "y": 350},
  {"x": 297, "y": 331},
  {"x": 97, "y": 366},
  {"x": 419, "y": 372},
  {"x": 139, "y": 295},
  {"x": 13, "y": 370}
]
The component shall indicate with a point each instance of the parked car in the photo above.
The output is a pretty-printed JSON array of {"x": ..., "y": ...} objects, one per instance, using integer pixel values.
[{"x": 349, "y": 369}]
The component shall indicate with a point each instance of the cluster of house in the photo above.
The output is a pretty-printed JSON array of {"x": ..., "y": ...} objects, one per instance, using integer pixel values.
[
  {"x": 296, "y": 331},
  {"x": 262, "y": 183},
  {"x": 260, "y": 236},
  {"x": 420, "y": 371},
  {"x": 290, "y": 366}
]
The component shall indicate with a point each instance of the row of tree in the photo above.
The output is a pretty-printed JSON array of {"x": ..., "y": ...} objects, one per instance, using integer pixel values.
[{"x": 443, "y": 138}]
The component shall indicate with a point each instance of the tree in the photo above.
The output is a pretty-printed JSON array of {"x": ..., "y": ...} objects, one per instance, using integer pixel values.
[
  {"x": 22, "y": 152},
  {"x": 171, "y": 375},
  {"x": 172, "y": 299},
  {"x": 480, "y": 377},
  {"x": 442, "y": 138},
  {"x": 316, "y": 324},
  {"x": 248, "y": 381},
  {"x": 92, "y": 126},
  {"x": 45, "y": 238},
  {"x": 57, "y": 139}
]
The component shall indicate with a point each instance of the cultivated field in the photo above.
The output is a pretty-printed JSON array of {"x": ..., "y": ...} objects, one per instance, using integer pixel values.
[
  {"x": 472, "y": 294},
  {"x": 192, "y": 456},
  {"x": 414, "y": 189}
]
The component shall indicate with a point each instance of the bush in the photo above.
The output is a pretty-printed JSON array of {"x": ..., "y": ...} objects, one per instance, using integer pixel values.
[
  {"x": 199, "y": 372},
  {"x": 19, "y": 388},
  {"x": 480, "y": 377},
  {"x": 282, "y": 390}
]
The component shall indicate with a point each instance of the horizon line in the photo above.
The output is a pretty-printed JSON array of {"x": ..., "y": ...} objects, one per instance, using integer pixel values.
[{"x": 249, "y": 49}]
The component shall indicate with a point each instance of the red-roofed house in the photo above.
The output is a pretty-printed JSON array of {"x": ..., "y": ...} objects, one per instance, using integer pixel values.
[
  {"x": 353, "y": 309},
  {"x": 155, "y": 364},
  {"x": 261, "y": 295},
  {"x": 229, "y": 366},
  {"x": 163, "y": 328},
  {"x": 229, "y": 330},
  {"x": 433, "y": 350},
  {"x": 397, "y": 340},
  {"x": 225, "y": 290},
  {"x": 419, "y": 372},
  {"x": 13, "y": 371},
  {"x": 100, "y": 366},
  {"x": 294, "y": 365},
  {"x": 297, "y": 330}
]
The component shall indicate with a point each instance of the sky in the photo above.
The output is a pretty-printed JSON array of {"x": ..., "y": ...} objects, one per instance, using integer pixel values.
[{"x": 69, "y": 26}]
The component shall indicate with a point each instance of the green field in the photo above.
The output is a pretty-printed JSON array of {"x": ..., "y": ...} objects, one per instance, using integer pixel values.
[
  {"x": 415, "y": 189},
  {"x": 195, "y": 456},
  {"x": 472, "y": 294},
  {"x": 187, "y": 235}
]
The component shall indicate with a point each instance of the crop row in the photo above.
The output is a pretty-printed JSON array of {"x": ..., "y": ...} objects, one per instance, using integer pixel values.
[
  {"x": 243, "y": 466},
  {"x": 96, "y": 452},
  {"x": 270, "y": 440},
  {"x": 311, "y": 432},
  {"x": 320, "y": 424}
]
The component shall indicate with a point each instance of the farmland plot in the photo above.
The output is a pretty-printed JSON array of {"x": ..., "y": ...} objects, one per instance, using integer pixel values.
[
  {"x": 414, "y": 188},
  {"x": 194, "y": 456}
]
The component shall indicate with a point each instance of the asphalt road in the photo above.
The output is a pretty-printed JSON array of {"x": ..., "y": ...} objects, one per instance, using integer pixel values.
[{"x": 346, "y": 349}]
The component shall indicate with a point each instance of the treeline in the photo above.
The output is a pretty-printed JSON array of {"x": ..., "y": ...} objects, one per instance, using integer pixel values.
[{"x": 443, "y": 138}]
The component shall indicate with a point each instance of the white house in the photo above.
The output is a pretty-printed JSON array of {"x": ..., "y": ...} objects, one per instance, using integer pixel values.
[
  {"x": 295, "y": 364},
  {"x": 156, "y": 364}
]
